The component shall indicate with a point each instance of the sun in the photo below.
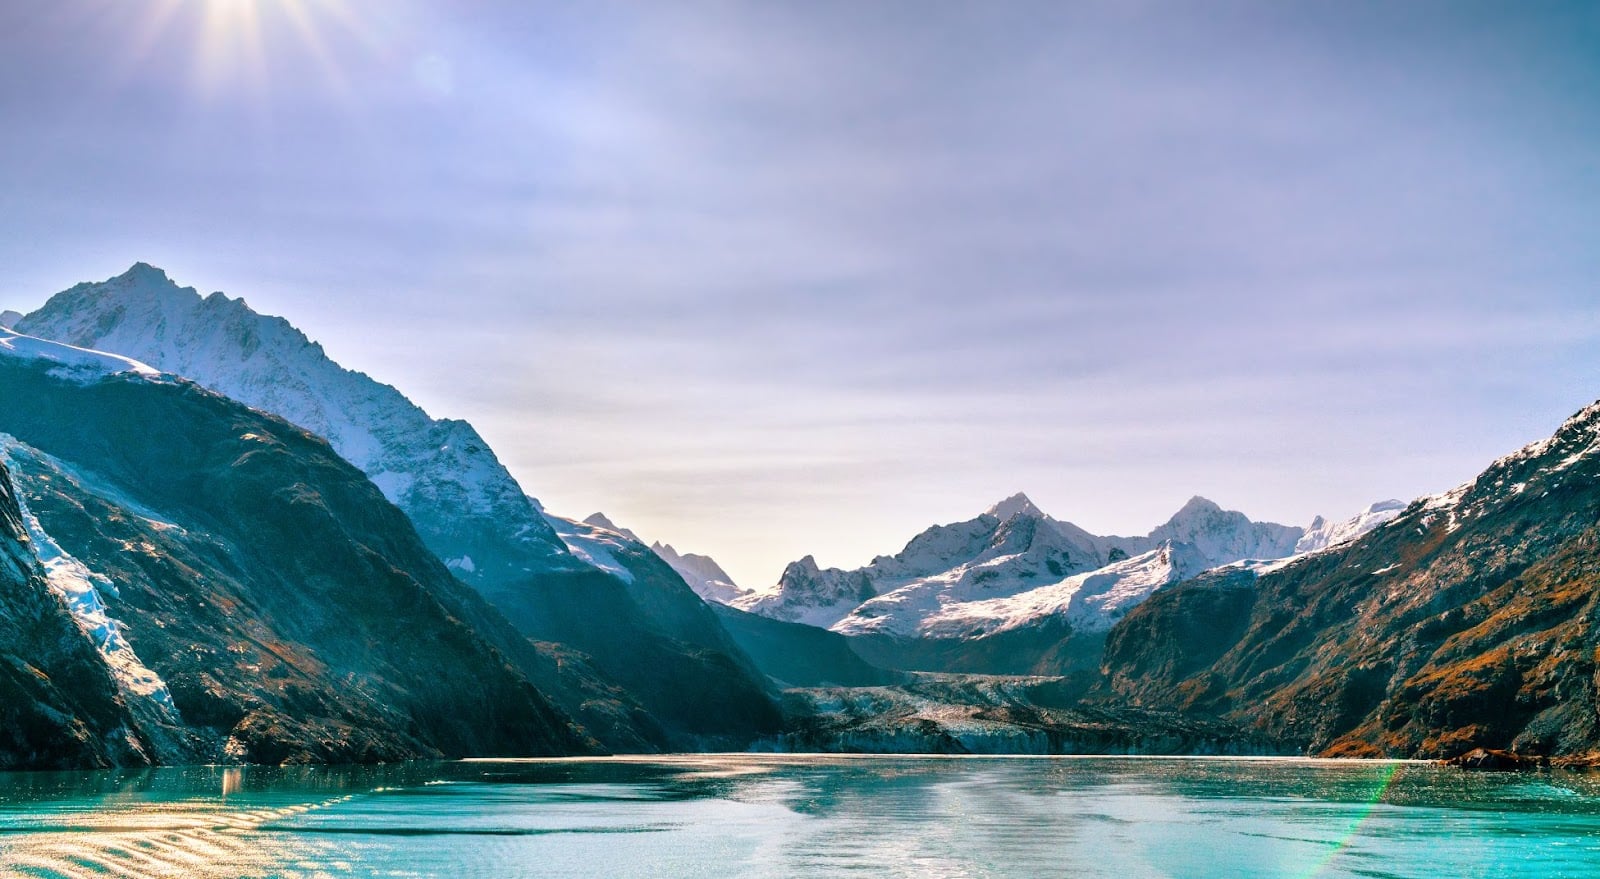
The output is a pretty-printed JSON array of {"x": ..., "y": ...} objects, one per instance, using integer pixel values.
[{"x": 234, "y": 40}]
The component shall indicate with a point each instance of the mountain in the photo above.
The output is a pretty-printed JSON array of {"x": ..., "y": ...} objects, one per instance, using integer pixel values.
[
  {"x": 1324, "y": 534},
  {"x": 650, "y": 636},
  {"x": 467, "y": 507},
  {"x": 189, "y": 580},
  {"x": 60, "y": 706},
  {"x": 797, "y": 655},
  {"x": 643, "y": 627},
  {"x": 1467, "y": 621},
  {"x": 8, "y": 319},
  {"x": 701, "y": 572},
  {"x": 958, "y": 580}
]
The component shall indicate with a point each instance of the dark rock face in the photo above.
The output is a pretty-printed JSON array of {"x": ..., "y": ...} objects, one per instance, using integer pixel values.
[
  {"x": 1500, "y": 761},
  {"x": 657, "y": 641},
  {"x": 1046, "y": 647},
  {"x": 798, "y": 655},
  {"x": 59, "y": 707},
  {"x": 1468, "y": 622},
  {"x": 293, "y": 613}
]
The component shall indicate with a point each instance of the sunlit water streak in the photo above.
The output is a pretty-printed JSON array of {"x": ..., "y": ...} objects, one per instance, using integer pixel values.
[{"x": 770, "y": 816}]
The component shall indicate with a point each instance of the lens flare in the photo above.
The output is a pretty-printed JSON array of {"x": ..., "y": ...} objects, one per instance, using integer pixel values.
[{"x": 1380, "y": 792}]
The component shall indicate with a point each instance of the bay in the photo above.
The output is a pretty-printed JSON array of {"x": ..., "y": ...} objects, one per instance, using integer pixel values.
[{"x": 751, "y": 815}]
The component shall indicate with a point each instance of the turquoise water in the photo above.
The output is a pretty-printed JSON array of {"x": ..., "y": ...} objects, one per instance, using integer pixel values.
[{"x": 781, "y": 816}]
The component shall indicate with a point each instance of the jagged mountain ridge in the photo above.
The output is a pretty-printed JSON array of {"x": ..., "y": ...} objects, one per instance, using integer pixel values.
[
  {"x": 701, "y": 572},
  {"x": 651, "y": 636},
  {"x": 1468, "y": 621},
  {"x": 964, "y": 571},
  {"x": 247, "y": 594},
  {"x": 465, "y": 504}
]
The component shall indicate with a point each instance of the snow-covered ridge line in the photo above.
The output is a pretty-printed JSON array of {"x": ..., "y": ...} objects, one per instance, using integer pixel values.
[
  {"x": 80, "y": 590},
  {"x": 72, "y": 362},
  {"x": 440, "y": 472},
  {"x": 701, "y": 572},
  {"x": 593, "y": 544},
  {"x": 1324, "y": 535},
  {"x": 1014, "y": 566}
]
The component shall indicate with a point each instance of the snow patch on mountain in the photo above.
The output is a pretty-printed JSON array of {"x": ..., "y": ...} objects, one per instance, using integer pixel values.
[
  {"x": 1223, "y": 536},
  {"x": 1092, "y": 601},
  {"x": 595, "y": 545},
  {"x": 958, "y": 580},
  {"x": 1018, "y": 503},
  {"x": 701, "y": 572},
  {"x": 1324, "y": 534},
  {"x": 72, "y": 362},
  {"x": 79, "y": 589},
  {"x": 600, "y": 520}
]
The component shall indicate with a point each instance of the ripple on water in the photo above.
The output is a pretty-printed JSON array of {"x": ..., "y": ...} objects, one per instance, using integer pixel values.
[{"x": 759, "y": 816}]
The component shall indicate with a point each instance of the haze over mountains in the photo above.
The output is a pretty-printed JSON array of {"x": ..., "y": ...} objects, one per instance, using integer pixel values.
[{"x": 216, "y": 544}]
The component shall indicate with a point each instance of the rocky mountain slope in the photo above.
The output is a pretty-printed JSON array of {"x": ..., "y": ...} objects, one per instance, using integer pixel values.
[
  {"x": 649, "y": 636},
  {"x": 60, "y": 706},
  {"x": 467, "y": 507},
  {"x": 243, "y": 592},
  {"x": 644, "y": 628},
  {"x": 1468, "y": 621},
  {"x": 797, "y": 655}
]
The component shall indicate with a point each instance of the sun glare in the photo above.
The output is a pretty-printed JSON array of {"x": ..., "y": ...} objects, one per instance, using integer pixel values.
[{"x": 235, "y": 41}]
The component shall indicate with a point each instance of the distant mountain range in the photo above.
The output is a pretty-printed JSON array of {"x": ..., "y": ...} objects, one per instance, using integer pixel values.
[{"x": 1015, "y": 566}]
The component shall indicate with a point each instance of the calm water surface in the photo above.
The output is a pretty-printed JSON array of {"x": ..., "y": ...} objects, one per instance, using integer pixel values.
[{"x": 780, "y": 816}]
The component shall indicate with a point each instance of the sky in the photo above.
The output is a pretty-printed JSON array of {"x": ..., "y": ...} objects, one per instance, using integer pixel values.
[{"x": 768, "y": 279}]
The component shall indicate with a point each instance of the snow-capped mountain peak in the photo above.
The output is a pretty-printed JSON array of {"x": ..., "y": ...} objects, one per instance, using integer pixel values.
[
  {"x": 1017, "y": 504},
  {"x": 960, "y": 572},
  {"x": 600, "y": 520},
  {"x": 467, "y": 507},
  {"x": 702, "y": 573},
  {"x": 1224, "y": 536},
  {"x": 1324, "y": 534}
]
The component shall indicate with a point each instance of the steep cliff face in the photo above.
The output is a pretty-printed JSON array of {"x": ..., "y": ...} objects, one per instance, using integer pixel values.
[
  {"x": 59, "y": 705},
  {"x": 279, "y": 607},
  {"x": 1467, "y": 621}
]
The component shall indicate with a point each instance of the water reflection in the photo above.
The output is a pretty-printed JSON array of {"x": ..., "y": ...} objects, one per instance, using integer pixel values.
[{"x": 768, "y": 815}]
